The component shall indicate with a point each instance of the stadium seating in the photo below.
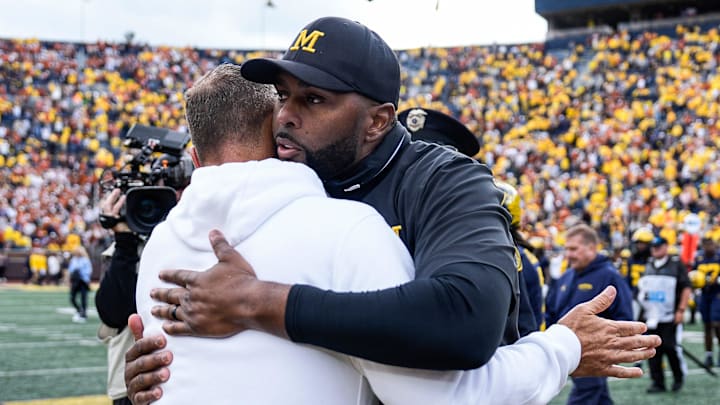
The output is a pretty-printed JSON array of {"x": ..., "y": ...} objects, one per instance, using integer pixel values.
[{"x": 620, "y": 130}]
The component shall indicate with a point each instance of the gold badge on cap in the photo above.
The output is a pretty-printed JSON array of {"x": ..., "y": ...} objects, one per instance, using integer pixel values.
[{"x": 415, "y": 120}]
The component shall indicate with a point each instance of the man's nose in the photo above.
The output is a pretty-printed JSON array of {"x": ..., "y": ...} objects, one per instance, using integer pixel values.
[{"x": 287, "y": 116}]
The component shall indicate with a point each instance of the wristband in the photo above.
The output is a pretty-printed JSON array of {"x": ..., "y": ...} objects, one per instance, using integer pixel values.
[{"x": 109, "y": 222}]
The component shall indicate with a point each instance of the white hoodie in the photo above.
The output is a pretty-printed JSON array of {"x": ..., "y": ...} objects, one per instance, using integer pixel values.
[{"x": 277, "y": 215}]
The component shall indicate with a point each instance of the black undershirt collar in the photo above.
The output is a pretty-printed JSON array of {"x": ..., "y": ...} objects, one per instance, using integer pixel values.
[{"x": 371, "y": 167}]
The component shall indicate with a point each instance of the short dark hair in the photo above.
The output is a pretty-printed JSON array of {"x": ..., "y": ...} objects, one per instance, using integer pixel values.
[
  {"x": 588, "y": 234},
  {"x": 222, "y": 104}
]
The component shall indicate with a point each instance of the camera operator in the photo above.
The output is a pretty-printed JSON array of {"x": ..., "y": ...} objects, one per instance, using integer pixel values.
[
  {"x": 115, "y": 298},
  {"x": 138, "y": 197}
]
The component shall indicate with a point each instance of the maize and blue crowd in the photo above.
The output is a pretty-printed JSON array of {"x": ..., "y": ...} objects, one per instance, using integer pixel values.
[{"x": 620, "y": 131}]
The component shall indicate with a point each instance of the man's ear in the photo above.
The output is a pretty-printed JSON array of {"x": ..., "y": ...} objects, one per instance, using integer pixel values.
[
  {"x": 382, "y": 120},
  {"x": 194, "y": 156}
]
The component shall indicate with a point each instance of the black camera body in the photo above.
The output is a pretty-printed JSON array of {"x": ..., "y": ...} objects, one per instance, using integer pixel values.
[{"x": 149, "y": 181}]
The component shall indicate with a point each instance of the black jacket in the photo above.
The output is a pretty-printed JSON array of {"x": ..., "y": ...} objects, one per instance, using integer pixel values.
[
  {"x": 115, "y": 298},
  {"x": 447, "y": 211}
]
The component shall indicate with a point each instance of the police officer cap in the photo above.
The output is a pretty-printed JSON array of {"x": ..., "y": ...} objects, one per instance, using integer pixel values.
[{"x": 435, "y": 127}]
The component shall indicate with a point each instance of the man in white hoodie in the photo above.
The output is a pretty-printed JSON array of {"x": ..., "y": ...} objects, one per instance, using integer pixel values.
[{"x": 277, "y": 213}]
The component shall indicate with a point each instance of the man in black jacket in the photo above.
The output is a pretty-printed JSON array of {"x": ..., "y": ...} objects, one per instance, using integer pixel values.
[
  {"x": 436, "y": 127},
  {"x": 338, "y": 88},
  {"x": 115, "y": 298}
]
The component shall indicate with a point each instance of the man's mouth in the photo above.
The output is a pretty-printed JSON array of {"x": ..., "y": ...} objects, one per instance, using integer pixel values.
[{"x": 286, "y": 149}]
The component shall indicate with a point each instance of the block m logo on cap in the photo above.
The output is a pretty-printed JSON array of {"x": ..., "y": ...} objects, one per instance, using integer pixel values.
[{"x": 307, "y": 42}]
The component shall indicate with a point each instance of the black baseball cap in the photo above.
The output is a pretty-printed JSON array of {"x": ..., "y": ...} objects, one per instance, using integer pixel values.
[
  {"x": 658, "y": 241},
  {"x": 335, "y": 54},
  {"x": 437, "y": 127}
]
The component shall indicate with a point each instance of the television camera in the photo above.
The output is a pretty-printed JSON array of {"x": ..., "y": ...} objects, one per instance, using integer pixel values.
[{"x": 151, "y": 178}]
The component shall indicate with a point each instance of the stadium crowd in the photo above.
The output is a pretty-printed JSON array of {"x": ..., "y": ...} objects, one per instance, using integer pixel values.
[
  {"x": 64, "y": 109},
  {"x": 620, "y": 131}
]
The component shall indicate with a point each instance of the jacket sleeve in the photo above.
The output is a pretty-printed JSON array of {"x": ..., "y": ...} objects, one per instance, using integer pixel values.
[
  {"x": 453, "y": 315},
  {"x": 429, "y": 323},
  {"x": 531, "y": 371},
  {"x": 115, "y": 299}
]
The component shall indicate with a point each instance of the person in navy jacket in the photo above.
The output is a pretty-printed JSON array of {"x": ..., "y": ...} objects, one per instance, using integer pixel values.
[{"x": 588, "y": 273}]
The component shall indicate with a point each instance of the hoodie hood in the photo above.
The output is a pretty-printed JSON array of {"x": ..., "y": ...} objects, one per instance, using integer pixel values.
[{"x": 237, "y": 198}]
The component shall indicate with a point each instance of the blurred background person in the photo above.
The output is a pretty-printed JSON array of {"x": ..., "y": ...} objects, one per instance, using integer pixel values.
[
  {"x": 80, "y": 269},
  {"x": 664, "y": 291},
  {"x": 707, "y": 269},
  {"x": 38, "y": 264},
  {"x": 532, "y": 309},
  {"x": 634, "y": 265},
  {"x": 588, "y": 273},
  {"x": 54, "y": 268}
]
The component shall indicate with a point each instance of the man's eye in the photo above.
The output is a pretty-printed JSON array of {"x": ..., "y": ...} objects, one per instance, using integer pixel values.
[
  {"x": 281, "y": 95},
  {"x": 313, "y": 99}
]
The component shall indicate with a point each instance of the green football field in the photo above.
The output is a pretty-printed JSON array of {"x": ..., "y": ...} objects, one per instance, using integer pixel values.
[
  {"x": 43, "y": 354},
  {"x": 46, "y": 359}
]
